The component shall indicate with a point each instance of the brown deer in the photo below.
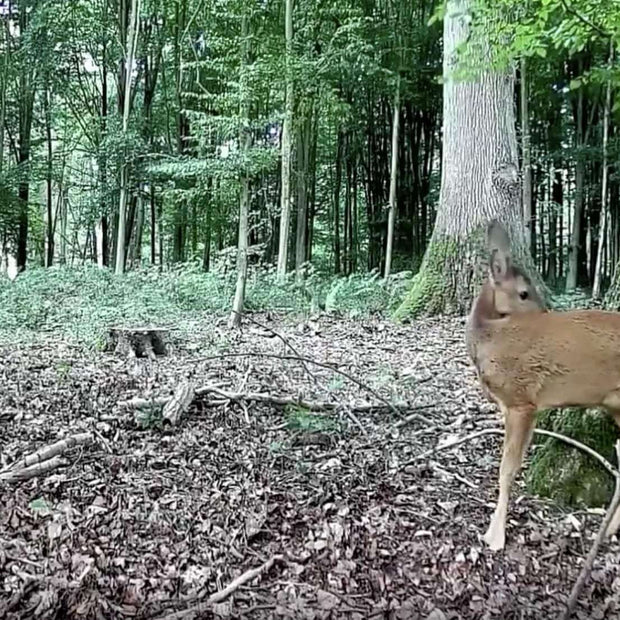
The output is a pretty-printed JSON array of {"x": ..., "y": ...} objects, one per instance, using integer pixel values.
[{"x": 529, "y": 359}]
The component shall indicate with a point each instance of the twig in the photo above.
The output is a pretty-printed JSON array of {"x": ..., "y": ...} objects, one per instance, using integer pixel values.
[
  {"x": 221, "y": 595},
  {"x": 500, "y": 431},
  {"x": 284, "y": 341},
  {"x": 416, "y": 416},
  {"x": 287, "y": 343},
  {"x": 298, "y": 358},
  {"x": 583, "y": 19},
  {"x": 587, "y": 567}
]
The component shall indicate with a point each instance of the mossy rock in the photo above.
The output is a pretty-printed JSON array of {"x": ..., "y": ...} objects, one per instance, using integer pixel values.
[{"x": 568, "y": 475}]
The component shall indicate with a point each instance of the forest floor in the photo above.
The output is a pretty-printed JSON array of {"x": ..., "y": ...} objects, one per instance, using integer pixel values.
[{"x": 149, "y": 522}]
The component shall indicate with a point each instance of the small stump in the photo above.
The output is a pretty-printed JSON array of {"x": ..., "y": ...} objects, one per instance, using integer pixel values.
[{"x": 138, "y": 341}]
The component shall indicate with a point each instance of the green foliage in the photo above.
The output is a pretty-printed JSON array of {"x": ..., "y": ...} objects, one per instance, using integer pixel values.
[
  {"x": 300, "y": 419},
  {"x": 84, "y": 302}
]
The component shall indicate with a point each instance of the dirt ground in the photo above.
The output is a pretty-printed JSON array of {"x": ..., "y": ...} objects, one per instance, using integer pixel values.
[{"x": 151, "y": 522}]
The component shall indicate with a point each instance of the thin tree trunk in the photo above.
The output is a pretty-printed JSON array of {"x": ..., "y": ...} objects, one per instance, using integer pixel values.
[
  {"x": 131, "y": 43},
  {"x": 393, "y": 173},
  {"x": 598, "y": 270},
  {"x": 49, "y": 257},
  {"x": 303, "y": 159},
  {"x": 337, "y": 184},
  {"x": 285, "y": 198},
  {"x": 244, "y": 203}
]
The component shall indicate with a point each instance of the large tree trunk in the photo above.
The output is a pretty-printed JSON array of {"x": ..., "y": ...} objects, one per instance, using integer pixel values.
[
  {"x": 479, "y": 181},
  {"x": 527, "y": 154},
  {"x": 285, "y": 198}
]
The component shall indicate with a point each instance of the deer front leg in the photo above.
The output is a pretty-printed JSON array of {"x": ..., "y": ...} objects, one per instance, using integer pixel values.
[{"x": 519, "y": 425}]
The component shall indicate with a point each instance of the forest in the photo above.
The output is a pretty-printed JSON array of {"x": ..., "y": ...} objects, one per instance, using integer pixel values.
[{"x": 250, "y": 253}]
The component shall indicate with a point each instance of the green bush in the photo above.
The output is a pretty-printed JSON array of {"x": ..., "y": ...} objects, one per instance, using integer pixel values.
[{"x": 84, "y": 301}]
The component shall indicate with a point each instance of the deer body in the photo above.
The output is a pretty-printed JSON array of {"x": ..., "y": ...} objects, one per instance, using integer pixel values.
[{"x": 528, "y": 359}]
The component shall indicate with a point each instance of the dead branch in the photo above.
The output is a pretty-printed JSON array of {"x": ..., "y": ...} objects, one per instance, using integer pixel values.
[
  {"x": 299, "y": 358},
  {"x": 55, "y": 449},
  {"x": 271, "y": 399},
  {"x": 587, "y": 567},
  {"x": 142, "y": 403},
  {"x": 179, "y": 403},
  {"x": 38, "y": 469},
  {"x": 221, "y": 595}
]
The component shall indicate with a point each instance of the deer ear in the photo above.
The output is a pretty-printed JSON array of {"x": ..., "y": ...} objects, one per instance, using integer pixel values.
[
  {"x": 497, "y": 237},
  {"x": 499, "y": 265}
]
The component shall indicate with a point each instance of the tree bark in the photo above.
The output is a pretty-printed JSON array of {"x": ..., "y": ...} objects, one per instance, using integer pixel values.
[
  {"x": 303, "y": 161},
  {"x": 602, "y": 237},
  {"x": 285, "y": 198},
  {"x": 131, "y": 44},
  {"x": 527, "y": 154},
  {"x": 337, "y": 184},
  {"x": 479, "y": 181},
  {"x": 393, "y": 174},
  {"x": 244, "y": 203}
]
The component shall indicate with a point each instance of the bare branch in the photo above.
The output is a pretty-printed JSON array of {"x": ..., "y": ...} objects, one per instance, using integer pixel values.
[{"x": 587, "y": 567}]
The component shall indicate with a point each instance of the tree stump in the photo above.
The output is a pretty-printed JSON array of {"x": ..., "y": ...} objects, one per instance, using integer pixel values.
[{"x": 138, "y": 341}]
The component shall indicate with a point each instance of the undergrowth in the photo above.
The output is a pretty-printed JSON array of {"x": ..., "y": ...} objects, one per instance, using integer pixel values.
[{"x": 84, "y": 302}]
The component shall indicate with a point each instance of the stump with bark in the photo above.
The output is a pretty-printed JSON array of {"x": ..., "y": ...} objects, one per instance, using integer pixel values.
[{"x": 138, "y": 341}]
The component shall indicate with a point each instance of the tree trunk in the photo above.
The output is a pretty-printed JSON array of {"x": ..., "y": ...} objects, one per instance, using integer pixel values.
[
  {"x": 244, "y": 203},
  {"x": 479, "y": 181},
  {"x": 131, "y": 45},
  {"x": 602, "y": 237},
  {"x": 393, "y": 173},
  {"x": 527, "y": 154},
  {"x": 337, "y": 184},
  {"x": 27, "y": 87},
  {"x": 303, "y": 161},
  {"x": 285, "y": 198},
  {"x": 47, "y": 104}
]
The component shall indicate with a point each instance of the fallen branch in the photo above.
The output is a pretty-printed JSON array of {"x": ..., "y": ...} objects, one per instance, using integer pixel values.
[
  {"x": 55, "y": 449},
  {"x": 221, "y": 595},
  {"x": 142, "y": 403},
  {"x": 299, "y": 358},
  {"x": 179, "y": 403},
  {"x": 38, "y": 469},
  {"x": 587, "y": 567},
  {"x": 310, "y": 405}
]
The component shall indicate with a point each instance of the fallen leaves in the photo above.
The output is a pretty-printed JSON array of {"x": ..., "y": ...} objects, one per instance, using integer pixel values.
[{"x": 155, "y": 522}]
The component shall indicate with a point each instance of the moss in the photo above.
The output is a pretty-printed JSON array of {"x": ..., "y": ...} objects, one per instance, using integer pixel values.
[
  {"x": 430, "y": 290},
  {"x": 568, "y": 475}
]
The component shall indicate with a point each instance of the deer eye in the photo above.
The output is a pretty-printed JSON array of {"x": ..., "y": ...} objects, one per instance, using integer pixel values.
[{"x": 524, "y": 294}]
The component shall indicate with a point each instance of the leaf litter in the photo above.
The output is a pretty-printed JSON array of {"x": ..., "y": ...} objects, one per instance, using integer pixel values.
[{"x": 158, "y": 522}]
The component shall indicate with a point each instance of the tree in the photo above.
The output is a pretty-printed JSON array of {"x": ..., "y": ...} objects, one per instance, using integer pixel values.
[
  {"x": 245, "y": 140},
  {"x": 285, "y": 202},
  {"x": 393, "y": 175},
  {"x": 479, "y": 179},
  {"x": 126, "y": 98}
]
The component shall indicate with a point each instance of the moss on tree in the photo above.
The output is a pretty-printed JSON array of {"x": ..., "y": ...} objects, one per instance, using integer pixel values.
[
  {"x": 444, "y": 284},
  {"x": 568, "y": 475}
]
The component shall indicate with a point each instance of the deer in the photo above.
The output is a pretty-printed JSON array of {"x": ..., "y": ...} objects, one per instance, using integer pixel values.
[{"x": 529, "y": 358}]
